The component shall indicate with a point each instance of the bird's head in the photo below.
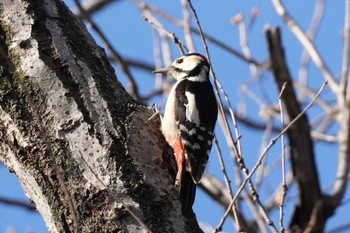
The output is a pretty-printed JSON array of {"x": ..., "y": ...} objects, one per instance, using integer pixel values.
[{"x": 192, "y": 66}]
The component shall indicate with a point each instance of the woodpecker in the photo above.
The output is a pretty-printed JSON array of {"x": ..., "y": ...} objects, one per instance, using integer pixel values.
[{"x": 189, "y": 121}]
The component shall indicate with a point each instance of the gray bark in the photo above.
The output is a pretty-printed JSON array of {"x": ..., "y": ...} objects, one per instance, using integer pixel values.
[{"x": 75, "y": 139}]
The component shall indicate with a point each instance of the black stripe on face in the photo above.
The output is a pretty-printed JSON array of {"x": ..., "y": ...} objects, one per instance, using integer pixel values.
[
  {"x": 191, "y": 73},
  {"x": 197, "y": 70}
]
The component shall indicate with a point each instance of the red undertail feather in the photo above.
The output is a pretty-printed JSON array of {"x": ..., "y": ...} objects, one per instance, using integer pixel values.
[
  {"x": 184, "y": 181},
  {"x": 176, "y": 144}
]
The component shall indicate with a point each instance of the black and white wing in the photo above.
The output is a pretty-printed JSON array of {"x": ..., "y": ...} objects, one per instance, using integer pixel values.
[{"x": 196, "y": 114}]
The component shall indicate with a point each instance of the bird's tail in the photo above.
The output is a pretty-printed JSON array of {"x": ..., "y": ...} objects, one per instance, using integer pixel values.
[{"x": 187, "y": 192}]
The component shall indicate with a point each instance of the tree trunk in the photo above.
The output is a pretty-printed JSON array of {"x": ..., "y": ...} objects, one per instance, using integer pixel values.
[{"x": 76, "y": 140}]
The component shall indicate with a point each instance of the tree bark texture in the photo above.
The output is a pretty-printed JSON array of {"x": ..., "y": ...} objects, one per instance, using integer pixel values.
[{"x": 75, "y": 139}]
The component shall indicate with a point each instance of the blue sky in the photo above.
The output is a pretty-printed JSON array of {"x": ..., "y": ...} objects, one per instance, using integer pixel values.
[{"x": 132, "y": 37}]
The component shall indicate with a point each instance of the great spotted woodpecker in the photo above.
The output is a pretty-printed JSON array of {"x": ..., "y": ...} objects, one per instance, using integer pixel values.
[{"x": 189, "y": 120}]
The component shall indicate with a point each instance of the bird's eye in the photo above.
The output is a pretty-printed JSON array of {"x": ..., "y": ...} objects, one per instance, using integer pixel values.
[{"x": 179, "y": 61}]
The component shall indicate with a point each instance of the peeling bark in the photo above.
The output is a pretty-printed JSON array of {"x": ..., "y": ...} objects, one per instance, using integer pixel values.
[{"x": 75, "y": 139}]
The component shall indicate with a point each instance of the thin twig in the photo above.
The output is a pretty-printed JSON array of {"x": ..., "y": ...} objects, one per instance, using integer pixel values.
[
  {"x": 237, "y": 150},
  {"x": 275, "y": 200},
  {"x": 186, "y": 26},
  {"x": 324, "y": 137},
  {"x": 262, "y": 172},
  {"x": 272, "y": 142},
  {"x": 310, "y": 93},
  {"x": 283, "y": 145},
  {"x": 244, "y": 30},
  {"x": 171, "y": 35},
  {"x": 346, "y": 51},
  {"x": 221, "y": 108},
  {"x": 311, "y": 32},
  {"x": 157, "y": 54},
  {"x": 23, "y": 204},
  {"x": 92, "y": 6},
  {"x": 233, "y": 117},
  {"x": 243, "y": 41},
  {"x": 220, "y": 44},
  {"x": 147, "y": 16},
  {"x": 238, "y": 179},
  {"x": 228, "y": 183},
  {"x": 252, "y": 123},
  {"x": 239, "y": 157},
  {"x": 340, "y": 184},
  {"x": 255, "y": 12},
  {"x": 252, "y": 95},
  {"x": 136, "y": 63}
]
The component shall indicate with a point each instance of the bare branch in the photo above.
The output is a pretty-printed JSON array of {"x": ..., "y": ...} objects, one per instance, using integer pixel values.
[
  {"x": 262, "y": 156},
  {"x": 187, "y": 26},
  {"x": 147, "y": 15},
  {"x": 341, "y": 182},
  {"x": 92, "y": 6},
  {"x": 239, "y": 156},
  {"x": 135, "y": 63},
  {"x": 227, "y": 182},
  {"x": 346, "y": 51},
  {"x": 212, "y": 39},
  {"x": 284, "y": 183},
  {"x": 306, "y": 42},
  {"x": 13, "y": 202},
  {"x": 311, "y": 213},
  {"x": 311, "y": 94},
  {"x": 314, "y": 25},
  {"x": 215, "y": 189},
  {"x": 243, "y": 39},
  {"x": 324, "y": 137}
]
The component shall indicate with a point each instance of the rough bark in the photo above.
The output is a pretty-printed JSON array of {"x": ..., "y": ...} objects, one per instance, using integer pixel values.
[
  {"x": 75, "y": 139},
  {"x": 312, "y": 212}
]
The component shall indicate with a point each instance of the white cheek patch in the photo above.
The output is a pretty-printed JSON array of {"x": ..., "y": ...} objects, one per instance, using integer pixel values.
[
  {"x": 189, "y": 63},
  {"x": 192, "y": 113}
]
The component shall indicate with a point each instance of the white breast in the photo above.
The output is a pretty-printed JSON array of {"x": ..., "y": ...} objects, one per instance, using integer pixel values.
[{"x": 169, "y": 127}]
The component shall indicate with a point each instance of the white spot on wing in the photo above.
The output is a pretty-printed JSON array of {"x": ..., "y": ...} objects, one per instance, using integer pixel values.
[
  {"x": 196, "y": 146},
  {"x": 192, "y": 113},
  {"x": 192, "y": 131},
  {"x": 185, "y": 142},
  {"x": 189, "y": 132},
  {"x": 183, "y": 128}
]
